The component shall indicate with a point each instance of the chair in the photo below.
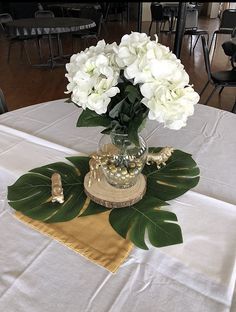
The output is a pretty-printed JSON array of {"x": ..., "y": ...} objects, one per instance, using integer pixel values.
[
  {"x": 191, "y": 28},
  {"x": 46, "y": 14},
  {"x": 115, "y": 9},
  {"x": 4, "y": 18},
  {"x": 227, "y": 24},
  {"x": 93, "y": 33},
  {"x": 43, "y": 13},
  {"x": 158, "y": 17},
  {"x": 218, "y": 79},
  {"x": 3, "y": 104}
]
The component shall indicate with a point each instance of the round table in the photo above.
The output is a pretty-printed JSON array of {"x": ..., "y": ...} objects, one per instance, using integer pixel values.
[
  {"x": 40, "y": 274},
  {"x": 48, "y": 26}
]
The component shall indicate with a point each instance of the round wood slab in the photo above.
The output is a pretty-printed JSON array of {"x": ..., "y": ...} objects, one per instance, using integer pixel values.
[{"x": 109, "y": 196}]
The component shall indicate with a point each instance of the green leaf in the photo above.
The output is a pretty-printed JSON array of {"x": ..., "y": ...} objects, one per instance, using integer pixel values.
[
  {"x": 178, "y": 176},
  {"x": 134, "y": 127},
  {"x": 90, "y": 118},
  {"x": 115, "y": 111},
  {"x": 31, "y": 193},
  {"x": 94, "y": 208},
  {"x": 133, "y": 93},
  {"x": 132, "y": 223}
]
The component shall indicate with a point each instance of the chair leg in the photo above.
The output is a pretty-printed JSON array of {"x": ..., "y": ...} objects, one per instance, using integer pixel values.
[
  {"x": 191, "y": 45},
  {"x": 59, "y": 44},
  {"x": 212, "y": 39},
  {"x": 38, "y": 43},
  {"x": 222, "y": 88},
  {"x": 234, "y": 108},
  {"x": 209, "y": 97},
  {"x": 196, "y": 42},
  {"x": 26, "y": 52},
  {"x": 21, "y": 49},
  {"x": 158, "y": 29},
  {"x": 9, "y": 51},
  {"x": 204, "y": 88}
]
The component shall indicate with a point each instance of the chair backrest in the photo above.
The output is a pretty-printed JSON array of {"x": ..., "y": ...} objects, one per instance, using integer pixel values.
[
  {"x": 4, "y": 18},
  {"x": 3, "y": 105},
  {"x": 228, "y": 19},
  {"x": 191, "y": 19},
  {"x": 43, "y": 14},
  {"x": 156, "y": 11},
  {"x": 95, "y": 15},
  {"x": 206, "y": 57}
]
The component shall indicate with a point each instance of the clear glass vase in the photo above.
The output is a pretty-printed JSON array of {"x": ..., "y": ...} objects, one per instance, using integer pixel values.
[{"x": 122, "y": 160}]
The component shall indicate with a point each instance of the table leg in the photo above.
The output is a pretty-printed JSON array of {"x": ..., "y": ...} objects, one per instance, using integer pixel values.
[{"x": 51, "y": 50}]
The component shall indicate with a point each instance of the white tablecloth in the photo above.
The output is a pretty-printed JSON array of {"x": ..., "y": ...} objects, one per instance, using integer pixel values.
[{"x": 39, "y": 274}]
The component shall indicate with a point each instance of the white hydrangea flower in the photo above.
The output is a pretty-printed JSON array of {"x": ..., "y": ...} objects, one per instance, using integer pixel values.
[
  {"x": 145, "y": 61},
  {"x": 93, "y": 75},
  {"x": 169, "y": 104}
]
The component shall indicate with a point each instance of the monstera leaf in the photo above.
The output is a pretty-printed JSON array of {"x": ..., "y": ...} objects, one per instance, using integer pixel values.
[
  {"x": 31, "y": 193},
  {"x": 178, "y": 176},
  {"x": 132, "y": 223}
]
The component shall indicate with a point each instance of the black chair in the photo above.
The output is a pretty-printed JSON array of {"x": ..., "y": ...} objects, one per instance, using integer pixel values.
[
  {"x": 116, "y": 10},
  {"x": 191, "y": 28},
  {"x": 88, "y": 34},
  {"x": 218, "y": 79},
  {"x": 4, "y": 18},
  {"x": 158, "y": 17},
  {"x": 46, "y": 14},
  {"x": 227, "y": 25},
  {"x": 43, "y": 13},
  {"x": 3, "y": 104}
]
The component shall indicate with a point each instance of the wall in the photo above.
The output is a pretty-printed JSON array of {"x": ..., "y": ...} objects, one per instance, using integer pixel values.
[
  {"x": 213, "y": 9},
  {"x": 146, "y": 16}
]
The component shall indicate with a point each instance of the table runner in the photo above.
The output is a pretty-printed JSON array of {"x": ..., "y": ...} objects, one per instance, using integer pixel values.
[{"x": 91, "y": 236}]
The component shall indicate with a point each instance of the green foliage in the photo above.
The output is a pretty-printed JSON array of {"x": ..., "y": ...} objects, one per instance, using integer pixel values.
[
  {"x": 178, "y": 176},
  {"x": 31, "y": 195},
  {"x": 125, "y": 113},
  {"x": 132, "y": 222},
  {"x": 90, "y": 118}
]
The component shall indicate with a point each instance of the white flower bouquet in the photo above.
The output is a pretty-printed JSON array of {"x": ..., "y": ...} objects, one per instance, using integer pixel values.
[{"x": 120, "y": 86}]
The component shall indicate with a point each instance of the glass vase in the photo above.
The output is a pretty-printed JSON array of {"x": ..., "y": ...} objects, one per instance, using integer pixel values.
[{"x": 122, "y": 160}]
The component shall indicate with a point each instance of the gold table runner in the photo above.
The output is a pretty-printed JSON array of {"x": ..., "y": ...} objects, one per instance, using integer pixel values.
[{"x": 91, "y": 236}]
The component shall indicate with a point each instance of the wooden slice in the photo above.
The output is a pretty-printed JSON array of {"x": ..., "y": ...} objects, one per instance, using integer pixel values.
[{"x": 109, "y": 196}]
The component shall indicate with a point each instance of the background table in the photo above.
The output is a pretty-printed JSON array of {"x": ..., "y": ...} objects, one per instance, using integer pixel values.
[
  {"x": 48, "y": 26},
  {"x": 39, "y": 274}
]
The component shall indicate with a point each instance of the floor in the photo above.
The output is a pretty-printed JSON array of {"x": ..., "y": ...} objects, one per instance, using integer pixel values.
[{"x": 24, "y": 85}]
